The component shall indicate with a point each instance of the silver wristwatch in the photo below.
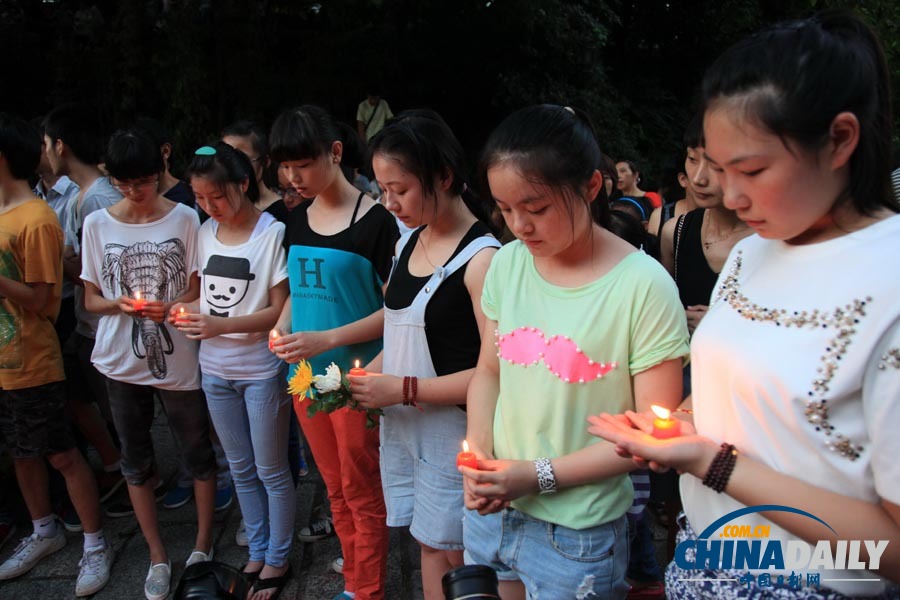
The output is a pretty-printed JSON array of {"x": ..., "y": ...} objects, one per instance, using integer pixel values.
[{"x": 545, "y": 476}]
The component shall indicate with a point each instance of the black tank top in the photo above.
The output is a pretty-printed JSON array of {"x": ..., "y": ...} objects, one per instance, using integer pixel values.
[
  {"x": 450, "y": 327},
  {"x": 694, "y": 277}
]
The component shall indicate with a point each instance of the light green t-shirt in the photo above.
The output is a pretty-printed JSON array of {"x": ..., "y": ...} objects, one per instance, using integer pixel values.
[{"x": 626, "y": 322}]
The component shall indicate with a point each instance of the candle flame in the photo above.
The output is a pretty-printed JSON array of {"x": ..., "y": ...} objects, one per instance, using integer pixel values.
[
  {"x": 273, "y": 334},
  {"x": 465, "y": 446},
  {"x": 137, "y": 295},
  {"x": 662, "y": 413},
  {"x": 181, "y": 310},
  {"x": 356, "y": 364}
]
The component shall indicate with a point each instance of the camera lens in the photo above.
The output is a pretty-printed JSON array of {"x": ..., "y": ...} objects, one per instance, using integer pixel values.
[{"x": 470, "y": 582}]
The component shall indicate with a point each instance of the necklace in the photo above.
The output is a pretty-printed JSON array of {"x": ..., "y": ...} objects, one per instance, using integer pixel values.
[
  {"x": 425, "y": 251},
  {"x": 707, "y": 243}
]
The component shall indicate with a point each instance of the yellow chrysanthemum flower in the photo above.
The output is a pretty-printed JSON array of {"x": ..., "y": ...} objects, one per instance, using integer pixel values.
[{"x": 302, "y": 379}]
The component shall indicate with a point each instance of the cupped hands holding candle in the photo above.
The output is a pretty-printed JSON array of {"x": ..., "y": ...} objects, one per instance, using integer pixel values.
[
  {"x": 664, "y": 426},
  {"x": 466, "y": 458},
  {"x": 357, "y": 371},
  {"x": 138, "y": 303},
  {"x": 637, "y": 436}
]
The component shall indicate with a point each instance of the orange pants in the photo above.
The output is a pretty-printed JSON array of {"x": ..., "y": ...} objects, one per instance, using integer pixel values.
[{"x": 347, "y": 456}]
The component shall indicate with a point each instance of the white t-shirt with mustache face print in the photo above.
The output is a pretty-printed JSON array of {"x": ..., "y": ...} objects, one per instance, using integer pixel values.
[{"x": 235, "y": 281}]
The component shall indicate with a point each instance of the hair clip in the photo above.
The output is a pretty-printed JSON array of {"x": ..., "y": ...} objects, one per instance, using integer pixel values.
[{"x": 205, "y": 151}]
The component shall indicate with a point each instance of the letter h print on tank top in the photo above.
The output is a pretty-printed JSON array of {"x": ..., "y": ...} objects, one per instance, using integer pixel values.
[{"x": 158, "y": 272}]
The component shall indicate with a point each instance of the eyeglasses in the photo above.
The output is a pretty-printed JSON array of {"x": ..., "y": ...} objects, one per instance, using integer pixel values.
[{"x": 130, "y": 187}]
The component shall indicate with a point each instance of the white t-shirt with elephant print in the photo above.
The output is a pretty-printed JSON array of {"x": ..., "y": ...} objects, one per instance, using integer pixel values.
[{"x": 156, "y": 259}]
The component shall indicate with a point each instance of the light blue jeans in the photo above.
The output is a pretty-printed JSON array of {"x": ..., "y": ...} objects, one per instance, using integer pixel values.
[
  {"x": 553, "y": 562},
  {"x": 252, "y": 418}
]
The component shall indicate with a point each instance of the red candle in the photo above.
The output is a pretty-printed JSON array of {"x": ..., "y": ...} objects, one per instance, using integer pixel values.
[
  {"x": 466, "y": 458},
  {"x": 664, "y": 426},
  {"x": 273, "y": 336},
  {"x": 138, "y": 303},
  {"x": 357, "y": 371}
]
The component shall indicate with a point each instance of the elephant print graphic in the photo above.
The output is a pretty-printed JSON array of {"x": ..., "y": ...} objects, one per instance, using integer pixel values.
[{"x": 158, "y": 272}]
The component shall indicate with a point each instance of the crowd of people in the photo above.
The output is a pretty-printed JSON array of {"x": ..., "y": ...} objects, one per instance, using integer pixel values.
[{"x": 534, "y": 311}]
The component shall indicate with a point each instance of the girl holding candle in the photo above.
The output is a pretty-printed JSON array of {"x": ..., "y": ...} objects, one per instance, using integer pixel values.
[
  {"x": 339, "y": 256},
  {"x": 576, "y": 320},
  {"x": 796, "y": 368},
  {"x": 433, "y": 321},
  {"x": 243, "y": 288},
  {"x": 147, "y": 243}
]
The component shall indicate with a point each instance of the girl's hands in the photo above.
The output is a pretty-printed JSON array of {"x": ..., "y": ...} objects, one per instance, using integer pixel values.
[
  {"x": 484, "y": 506},
  {"x": 631, "y": 434},
  {"x": 197, "y": 326},
  {"x": 155, "y": 310},
  {"x": 694, "y": 315},
  {"x": 375, "y": 390},
  {"x": 294, "y": 347},
  {"x": 495, "y": 483}
]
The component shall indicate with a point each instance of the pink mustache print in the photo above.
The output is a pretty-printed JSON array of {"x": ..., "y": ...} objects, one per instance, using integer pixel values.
[{"x": 528, "y": 346}]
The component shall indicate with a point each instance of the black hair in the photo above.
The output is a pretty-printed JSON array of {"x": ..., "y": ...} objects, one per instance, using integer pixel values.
[
  {"x": 425, "y": 146},
  {"x": 629, "y": 205},
  {"x": 305, "y": 132},
  {"x": 794, "y": 78},
  {"x": 693, "y": 133},
  {"x": 133, "y": 154},
  {"x": 354, "y": 154},
  {"x": 78, "y": 126},
  {"x": 669, "y": 187},
  {"x": 155, "y": 129},
  {"x": 226, "y": 165},
  {"x": 552, "y": 145},
  {"x": 20, "y": 145},
  {"x": 628, "y": 227},
  {"x": 254, "y": 132}
]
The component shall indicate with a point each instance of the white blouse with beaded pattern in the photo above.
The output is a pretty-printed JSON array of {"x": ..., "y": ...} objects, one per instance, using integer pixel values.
[{"x": 797, "y": 365}]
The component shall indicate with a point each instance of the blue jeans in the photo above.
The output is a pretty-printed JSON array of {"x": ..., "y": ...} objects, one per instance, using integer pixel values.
[
  {"x": 552, "y": 561},
  {"x": 251, "y": 418}
]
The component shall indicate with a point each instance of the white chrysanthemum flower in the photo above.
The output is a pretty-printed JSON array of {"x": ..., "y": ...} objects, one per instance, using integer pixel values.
[{"x": 330, "y": 381}]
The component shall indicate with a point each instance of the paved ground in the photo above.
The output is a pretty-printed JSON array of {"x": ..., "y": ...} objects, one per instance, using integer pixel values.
[{"x": 54, "y": 578}]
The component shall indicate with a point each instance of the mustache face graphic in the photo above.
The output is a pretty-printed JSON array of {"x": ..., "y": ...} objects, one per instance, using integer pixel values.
[
  {"x": 221, "y": 297},
  {"x": 529, "y": 346}
]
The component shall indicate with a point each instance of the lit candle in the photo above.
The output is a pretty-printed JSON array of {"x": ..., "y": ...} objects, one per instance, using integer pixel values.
[
  {"x": 466, "y": 458},
  {"x": 138, "y": 303},
  {"x": 357, "y": 371},
  {"x": 664, "y": 426},
  {"x": 273, "y": 336},
  {"x": 180, "y": 314}
]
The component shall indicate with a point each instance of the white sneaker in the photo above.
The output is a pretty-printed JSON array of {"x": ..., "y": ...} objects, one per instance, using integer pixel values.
[
  {"x": 158, "y": 582},
  {"x": 240, "y": 536},
  {"x": 30, "y": 551},
  {"x": 94, "y": 574},
  {"x": 337, "y": 565},
  {"x": 197, "y": 556}
]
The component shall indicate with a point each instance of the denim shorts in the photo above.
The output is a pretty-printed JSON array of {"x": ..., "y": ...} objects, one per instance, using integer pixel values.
[
  {"x": 33, "y": 420},
  {"x": 552, "y": 561}
]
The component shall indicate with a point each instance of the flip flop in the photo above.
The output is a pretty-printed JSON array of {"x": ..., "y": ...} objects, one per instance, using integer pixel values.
[
  {"x": 251, "y": 576},
  {"x": 277, "y": 583}
]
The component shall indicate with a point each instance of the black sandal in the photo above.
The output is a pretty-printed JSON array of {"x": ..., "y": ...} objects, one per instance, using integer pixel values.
[
  {"x": 250, "y": 576},
  {"x": 276, "y": 583}
]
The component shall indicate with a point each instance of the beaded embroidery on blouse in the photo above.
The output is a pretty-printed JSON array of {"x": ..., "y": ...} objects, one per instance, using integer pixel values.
[
  {"x": 841, "y": 320},
  {"x": 891, "y": 359}
]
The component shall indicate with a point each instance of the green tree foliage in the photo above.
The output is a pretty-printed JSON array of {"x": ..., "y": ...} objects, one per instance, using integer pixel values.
[{"x": 633, "y": 65}]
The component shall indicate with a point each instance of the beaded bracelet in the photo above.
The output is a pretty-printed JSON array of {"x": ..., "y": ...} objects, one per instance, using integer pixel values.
[
  {"x": 720, "y": 468},
  {"x": 410, "y": 390}
]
